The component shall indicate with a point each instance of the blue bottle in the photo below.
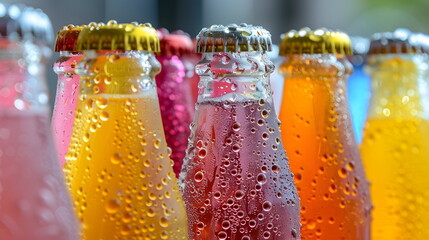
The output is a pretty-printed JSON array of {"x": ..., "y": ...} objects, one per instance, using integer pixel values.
[{"x": 359, "y": 86}]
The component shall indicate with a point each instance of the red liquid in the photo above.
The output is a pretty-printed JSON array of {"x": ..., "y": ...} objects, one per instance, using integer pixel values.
[
  {"x": 173, "y": 94},
  {"x": 236, "y": 180}
]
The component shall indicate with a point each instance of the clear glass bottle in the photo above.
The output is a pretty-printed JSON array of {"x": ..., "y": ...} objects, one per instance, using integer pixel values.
[
  {"x": 67, "y": 88},
  {"x": 276, "y": 79},
  {"x": 174, "y": 93},
  {"x": 118, "y": 167},
  {"x": 34, "y": 203},
  {"x": 358, "y": 86},
  {"x": 318, "y": 136},
  {"x": 235, "y": 178},
  {"x": 190, "y": 61},
  {"x": 395, "y": 146}
]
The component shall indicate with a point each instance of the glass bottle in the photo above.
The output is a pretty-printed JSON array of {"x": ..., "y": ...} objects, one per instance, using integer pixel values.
[
  {"x": 190, "y": 60},
  {"x": 34, "y": 203},
  {"x": 235, "y": 178},
  {"x": 358, "y": 86},
  {"x": 395, "y": 146},
  {"x": 276, "y": 79},
  {"x": 318, "y": 135},
  {"x": 67, "y": 88},
  {"x": 174, "y": 93},
  {"x": 118, "y": 168}
]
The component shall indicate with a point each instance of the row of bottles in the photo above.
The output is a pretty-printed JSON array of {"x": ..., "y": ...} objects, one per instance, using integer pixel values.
[{"x": 127, "y": 91}]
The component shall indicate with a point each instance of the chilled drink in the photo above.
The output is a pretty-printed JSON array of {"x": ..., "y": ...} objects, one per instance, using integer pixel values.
[
  {"x": 358, "y": 86},
  {"x": 236, "y": 180},
  {"x": 174, "y": 93},
  {"x": 118, "y": 167},
  {"x": 394, "y": 146},
  {"x": 34, "y": 203},
  {"x": 318, "y": 136}
]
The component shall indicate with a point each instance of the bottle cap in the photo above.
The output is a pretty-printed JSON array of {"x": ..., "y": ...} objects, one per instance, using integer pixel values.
[
  {"x": 176, "y": 43},
  {"x": 122, "y": 36},
  {"x": 67, "y": 38},
  {"x": 319, "y": 41},
  {"x": 22, "y": 23},
  {"x": 233, "y": 38},
  {"x": 400, "y": 41},
  {"x": 360, "y": 45}
]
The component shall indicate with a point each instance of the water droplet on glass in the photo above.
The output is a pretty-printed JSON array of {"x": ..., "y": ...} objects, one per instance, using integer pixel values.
[
  {"x": 198, "y": 176},
  {"x": 266, "y": 206},
  {"x": 116, "y": 158},
  {"x": 112, "y": 206},
  {"x": 222, "y": 235}
]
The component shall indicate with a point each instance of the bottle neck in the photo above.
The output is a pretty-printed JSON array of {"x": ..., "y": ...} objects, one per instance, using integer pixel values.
[
  {"x": 117, "y": 72},
  {"x": 322, "y": 76},
  {"x": 22, "y": 77},
  {"x": 234, "y": 77},
  {"x": 399, "y": 86},
  {"x": 315, "y": 91}
]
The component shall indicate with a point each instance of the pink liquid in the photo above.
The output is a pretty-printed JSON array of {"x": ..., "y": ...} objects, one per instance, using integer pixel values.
[
  {"x": 34, "y": 204},
  {"x": 173, "y": 94},
  {"x": 236, "y": 180},
  {"x": 65, "y": 103}
]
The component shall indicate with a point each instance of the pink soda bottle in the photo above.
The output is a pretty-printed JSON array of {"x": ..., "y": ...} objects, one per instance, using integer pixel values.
[
  {"x": 67, "y": 88},
  {"x": 235, "y": 179},
  {"x": 174, "y": 93},
  {"x": 34, "y": 203}
]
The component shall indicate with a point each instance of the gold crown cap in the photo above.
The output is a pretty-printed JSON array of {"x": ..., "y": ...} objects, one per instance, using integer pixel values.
[
  {"x": 318, "y": 41},
  {"x": 118, "y": 36}
]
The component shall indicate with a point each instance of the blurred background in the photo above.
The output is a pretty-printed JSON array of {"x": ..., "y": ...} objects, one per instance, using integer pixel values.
[{"x": 356, "y": 17}]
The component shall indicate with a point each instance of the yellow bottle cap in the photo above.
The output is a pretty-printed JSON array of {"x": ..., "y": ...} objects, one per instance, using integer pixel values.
[
  {"x": 67, "y": 38},
  {"x": 233, "y": 38},
  {"x": 114, "y": 36},
  {"x": 319, "y": 41},
  {"x": 399, "y": 41}
]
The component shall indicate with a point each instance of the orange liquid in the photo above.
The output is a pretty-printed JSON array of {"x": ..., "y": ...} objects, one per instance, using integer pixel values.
[
  {"x": 323, "y": 155},
  {"x": 118, "y": 168}
]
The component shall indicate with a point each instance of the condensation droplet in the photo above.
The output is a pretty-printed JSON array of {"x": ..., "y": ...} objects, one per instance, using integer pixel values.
[
  {"x": 112, "y": 206},
  {"x": 199, "y": 176},
  {"x": 267, "y": 206}
]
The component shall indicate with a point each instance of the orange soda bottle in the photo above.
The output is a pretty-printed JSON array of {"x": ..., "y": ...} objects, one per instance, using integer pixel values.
[
  {"x": 318, "y": 136},
  {"x": 235, "y": 178},
  {"x": 395, "y": 143},
  {"x": 118, "y": 167}
]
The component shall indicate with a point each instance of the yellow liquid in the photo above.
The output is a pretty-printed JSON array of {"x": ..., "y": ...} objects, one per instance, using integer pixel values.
[
  {"x": 119, "y": 172},
  {"x": 396, "y": 157}
]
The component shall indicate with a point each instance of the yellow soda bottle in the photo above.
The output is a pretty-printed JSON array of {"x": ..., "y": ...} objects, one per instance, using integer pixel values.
[
  {"x": 395, "y": 147},
  {"x": 118, "y": 168}
]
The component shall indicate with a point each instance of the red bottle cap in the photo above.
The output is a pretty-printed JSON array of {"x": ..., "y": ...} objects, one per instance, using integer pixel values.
[
  {"x": 177, "y": 43},
  {"x": 67, "y": 38}
]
